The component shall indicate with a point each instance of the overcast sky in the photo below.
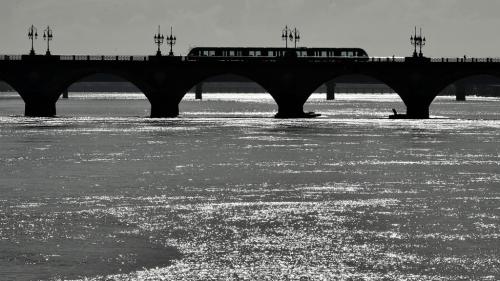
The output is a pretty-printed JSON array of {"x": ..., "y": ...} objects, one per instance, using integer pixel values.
[{"x": 381, "y": 27}]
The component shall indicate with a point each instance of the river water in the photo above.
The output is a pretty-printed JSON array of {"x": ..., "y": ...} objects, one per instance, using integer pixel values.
[{"x": 226, "y": 192}]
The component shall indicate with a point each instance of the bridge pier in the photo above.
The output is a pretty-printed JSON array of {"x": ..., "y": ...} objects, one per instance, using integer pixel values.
[
  {"x": 39, "y": 108},
  {"x": 164, "y": 109},
  {"x": 330, "y": 90},
  {"x": 199, "y": 91},
  {"x": 417, "y": 112},
  {"x": 290, "y": 110},
  {"x": 460, "y": 91}
]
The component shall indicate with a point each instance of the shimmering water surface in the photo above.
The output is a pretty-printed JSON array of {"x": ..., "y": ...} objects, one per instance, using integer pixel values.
[{"x": 226, "y": 192}]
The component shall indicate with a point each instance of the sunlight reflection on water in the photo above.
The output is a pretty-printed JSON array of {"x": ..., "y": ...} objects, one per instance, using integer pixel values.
[{"x": 231, "y": 193}]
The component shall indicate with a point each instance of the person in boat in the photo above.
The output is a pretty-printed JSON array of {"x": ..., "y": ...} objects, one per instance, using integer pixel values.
[{"x": 395, "y": 112}]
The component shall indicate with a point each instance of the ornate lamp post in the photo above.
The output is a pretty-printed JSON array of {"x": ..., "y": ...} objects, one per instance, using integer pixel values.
[
  {"x": 418, "y": 42},
  {"x": 286, "y": 35},
  {"x": 32, "y": 35},
  {"x": 171, "y": 40},
  {"x": 296, "y": 36},
  {"x": 47, "y": 35},
  {"x": 159, "y": 41}
]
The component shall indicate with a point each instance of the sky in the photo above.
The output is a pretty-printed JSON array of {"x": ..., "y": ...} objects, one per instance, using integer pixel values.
[{"x": 126, "y": 27}]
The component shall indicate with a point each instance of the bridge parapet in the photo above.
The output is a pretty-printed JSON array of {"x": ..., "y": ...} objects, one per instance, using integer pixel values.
[
  {"x": 465, "y": 60},
  {"x": 10, "y": 57},
  {"x": 102, "y": 58}
]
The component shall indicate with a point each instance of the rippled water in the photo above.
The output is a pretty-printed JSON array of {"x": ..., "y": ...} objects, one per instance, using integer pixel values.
[{"x": 227, "y": 192}]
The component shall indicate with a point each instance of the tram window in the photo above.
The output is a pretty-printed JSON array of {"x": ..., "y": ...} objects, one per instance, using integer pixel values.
[
  {"x": 205, "y": 53},
  {"x": 323, "y": 53},
  {"x": 231, "y": 53},
  {"x": 251, "y": 53},
  {"x": 211, "y": 53},
  {"x": 350, "y": 54},
  {"x": 239, "y": 53},
  {"x": 257, "y": 53},
  {"x": 344, "y": 54}
]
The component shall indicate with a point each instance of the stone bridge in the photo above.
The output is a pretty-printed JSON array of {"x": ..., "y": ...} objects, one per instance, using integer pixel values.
[{"x": 40, "y": 80}]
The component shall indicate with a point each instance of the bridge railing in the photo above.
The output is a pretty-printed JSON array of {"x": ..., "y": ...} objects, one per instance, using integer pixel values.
[
  {"x": 11, "y": 57},
  {"x": 270, "y": 59},
  {"x": 465, "y": 60},
  {"x": 386, "y": 59},
  {"x": 102, "y": 58}
]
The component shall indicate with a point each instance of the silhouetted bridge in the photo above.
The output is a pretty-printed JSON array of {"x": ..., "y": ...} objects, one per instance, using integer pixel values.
[{"x": 40, "y": 80}]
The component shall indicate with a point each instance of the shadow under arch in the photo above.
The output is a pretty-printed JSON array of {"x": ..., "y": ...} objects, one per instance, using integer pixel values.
[
  {"x": 356, "y": 83},
  {"x": 111, "y": 86},
  {"x": 479, "y": 84},
  {"x": 11, "y": 102},
  {"x": 235, "y": 85},
  {"x": 8, "y": 85},
  {"x": 5, "y": 86}
]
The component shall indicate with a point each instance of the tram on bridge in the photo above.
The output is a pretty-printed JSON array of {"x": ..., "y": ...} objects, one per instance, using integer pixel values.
[{"x": 253, "y": 52}]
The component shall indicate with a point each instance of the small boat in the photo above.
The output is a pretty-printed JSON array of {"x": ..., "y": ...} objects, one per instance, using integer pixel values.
[
  {"x": 311, "y": 114},
  {"x": 397, "y": 116}
]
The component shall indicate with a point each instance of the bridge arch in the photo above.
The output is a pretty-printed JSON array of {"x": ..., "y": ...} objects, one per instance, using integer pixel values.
[
  {"x": 453, "y": 97},
  {"x": 220, "y": 80},
  {"x": 72, "y": 78},
  {"x": 356, "y": 82},
  {"x": 82, "y": 82},
  {"x": 458, "y": 78},
  {"x": 11, "y": 102},
  {"x": 8, "y": 85}
]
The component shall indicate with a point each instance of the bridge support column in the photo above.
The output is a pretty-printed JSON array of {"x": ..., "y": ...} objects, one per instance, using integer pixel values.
[
  {"x": 460, "y": 91},
  {"x": 40, "y": 108},
  {"x": 330, "y": 90},
  {"x": 168, "y": 109},
  {"x": 65, "y": 94},
  {"x": 290, "y": 110},
  {"x": 199, "y": 91},
  {"x": 417, "y": 110}
]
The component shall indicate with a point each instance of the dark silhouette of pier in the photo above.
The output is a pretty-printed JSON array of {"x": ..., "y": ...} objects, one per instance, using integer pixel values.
[{"x": 164, "y": 80}]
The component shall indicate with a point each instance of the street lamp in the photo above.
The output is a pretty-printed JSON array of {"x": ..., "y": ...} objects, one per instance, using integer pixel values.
[
  {"x": 418, "y": 42},
  {"x": 47, "y": 35},
  {"x": 296, "y": 36},
  {"x": 171, "y": 40},
  {"x": 159, "y": 41},
  {"x": 286, "y": 35},
  {"x": 32, "y": 35}
]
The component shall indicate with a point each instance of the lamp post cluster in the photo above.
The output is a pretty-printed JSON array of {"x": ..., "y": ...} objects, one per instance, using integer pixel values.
[
  {"x": 418, "y": 42},
  {"x": 290, "y": 34},
  {"x": 47, "y": 35},
  {"x": 33, "y": 35},
  {"x": 159, "y": 40}
]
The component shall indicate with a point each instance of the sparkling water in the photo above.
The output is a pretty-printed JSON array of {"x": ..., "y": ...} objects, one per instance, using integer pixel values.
[{"x": 227, "y": 192}]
